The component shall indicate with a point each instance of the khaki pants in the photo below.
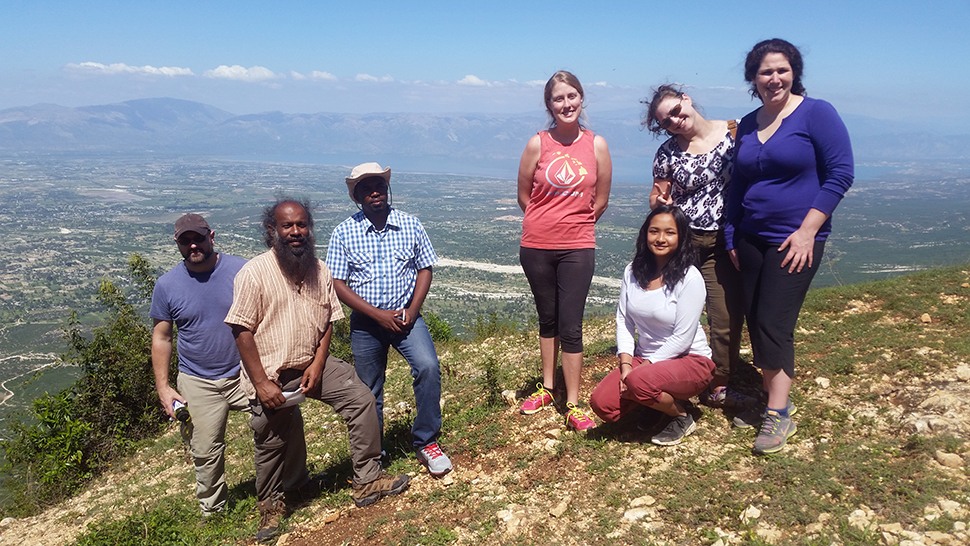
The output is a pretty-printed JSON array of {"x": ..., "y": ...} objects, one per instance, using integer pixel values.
[
  {"x": 725, "y": 300},
  {"x": 280, "y": 443},
  {"x": 209, "y": 403}
]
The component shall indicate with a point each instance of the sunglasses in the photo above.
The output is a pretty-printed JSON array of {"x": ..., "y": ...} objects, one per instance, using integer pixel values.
[
  {"x": 674, "y": 112},
  {"x": 187, "y": 240}
]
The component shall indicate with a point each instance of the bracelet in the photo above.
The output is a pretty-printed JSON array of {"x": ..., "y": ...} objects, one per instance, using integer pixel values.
[{"x": 630, "y": 364}]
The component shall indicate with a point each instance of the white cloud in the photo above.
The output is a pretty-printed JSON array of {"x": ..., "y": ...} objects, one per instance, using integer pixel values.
[
  {"x": 369, "y": 78},
  {"x": 236, "y": 72},
  {"x": 601, "y": 84},
  {"x": 536, "y": 83},
  {"x": 322, "y": 76},
  {"x": 314, "y": 75},
  {"x": 122, "y": 68},
  {"x": 473, "y": 80}
]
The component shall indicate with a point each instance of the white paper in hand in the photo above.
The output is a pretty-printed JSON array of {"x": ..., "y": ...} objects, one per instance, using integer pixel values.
[{"x": 293, "y": 398}]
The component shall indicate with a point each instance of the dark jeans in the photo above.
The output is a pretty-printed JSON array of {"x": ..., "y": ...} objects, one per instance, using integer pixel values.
[
  {"x": 560, "y": 283},
  {"x": 773, "y": 298},
  {"x": 370, "y": 344}
]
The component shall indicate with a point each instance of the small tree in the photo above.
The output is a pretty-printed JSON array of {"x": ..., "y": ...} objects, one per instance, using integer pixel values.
[
  {"x": 69, "y": 437},
  {"x": 441, "y": 331}
]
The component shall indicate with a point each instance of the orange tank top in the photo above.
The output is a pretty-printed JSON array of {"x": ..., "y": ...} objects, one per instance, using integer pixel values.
[{"x": 560, "y": 211}]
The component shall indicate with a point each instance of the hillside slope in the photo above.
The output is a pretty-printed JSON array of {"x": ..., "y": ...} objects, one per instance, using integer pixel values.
[{"x": 884, "y": 414}]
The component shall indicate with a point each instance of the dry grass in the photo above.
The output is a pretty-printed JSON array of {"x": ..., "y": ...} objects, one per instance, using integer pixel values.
[{"x": 878, "y": 394}]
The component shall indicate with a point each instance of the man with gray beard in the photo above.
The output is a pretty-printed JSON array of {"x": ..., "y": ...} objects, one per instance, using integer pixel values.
[{"x": 281, "y": 316}]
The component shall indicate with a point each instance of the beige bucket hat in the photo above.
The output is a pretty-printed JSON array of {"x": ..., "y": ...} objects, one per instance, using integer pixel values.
[{"x": 366, "y": 170}]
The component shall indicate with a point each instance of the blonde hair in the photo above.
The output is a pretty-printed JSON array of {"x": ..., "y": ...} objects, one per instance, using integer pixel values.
[{"x": 569, "y": 79}]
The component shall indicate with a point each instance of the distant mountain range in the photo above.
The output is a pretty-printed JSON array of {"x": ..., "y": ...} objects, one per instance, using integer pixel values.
[{"x": 175, "y": 126}]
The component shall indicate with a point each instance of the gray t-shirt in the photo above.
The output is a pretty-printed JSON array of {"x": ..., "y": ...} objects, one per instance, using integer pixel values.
[{"x": 197, "y": 303}]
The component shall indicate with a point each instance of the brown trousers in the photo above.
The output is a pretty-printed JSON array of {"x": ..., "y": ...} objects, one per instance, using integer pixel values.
[{"x": 281, "y": 446}]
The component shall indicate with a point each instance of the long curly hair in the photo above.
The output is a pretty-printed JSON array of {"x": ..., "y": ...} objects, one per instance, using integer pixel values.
[{"x": 645, "y": 263}]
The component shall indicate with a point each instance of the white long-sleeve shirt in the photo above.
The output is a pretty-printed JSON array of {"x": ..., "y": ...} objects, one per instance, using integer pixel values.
[{"x": 668, "y": 324}]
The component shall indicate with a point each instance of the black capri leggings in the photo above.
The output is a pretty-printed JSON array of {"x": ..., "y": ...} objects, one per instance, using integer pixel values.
[
  {"x": 560, "y": 283},
  {"x": 773, "y": 298}
]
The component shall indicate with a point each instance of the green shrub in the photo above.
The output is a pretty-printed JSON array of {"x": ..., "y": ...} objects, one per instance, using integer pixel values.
[
  {"x": 68, "y": 437},
  {"x": 490, "y": 383},
  {"x": 52, "y": 450},
  {"x": 441, "y": 331}
]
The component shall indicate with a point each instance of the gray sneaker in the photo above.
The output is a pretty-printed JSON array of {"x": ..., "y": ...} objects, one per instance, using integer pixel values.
[
  {"x": 774, "y": 434},
  {"x": 432, "y": 457},
  {"x": 676, "y": 430},
  {"x": 755, "y": 415}
]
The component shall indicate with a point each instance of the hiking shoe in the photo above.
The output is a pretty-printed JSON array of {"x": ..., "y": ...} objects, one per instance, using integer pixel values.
[
  {"x": 676, "y": 430},
  {"x": 437, "y": 463},
  {"x": 537, "y": 401},
  {"x": 270, "y": 512},
  {"x": 384, "y": 486},
  {"x": 755, "y": 415},
  {"x": 727, "y": 398},
  {"x": 578, "y": 418},
  {"x": 774, "y": 434}
]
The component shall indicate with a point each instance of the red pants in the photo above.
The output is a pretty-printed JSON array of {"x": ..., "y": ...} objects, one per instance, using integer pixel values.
[{"x": 681, "y": 378}]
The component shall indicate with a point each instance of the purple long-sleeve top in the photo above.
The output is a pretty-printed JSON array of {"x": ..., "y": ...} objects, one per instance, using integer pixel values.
[{"x": 806, "y": 164}]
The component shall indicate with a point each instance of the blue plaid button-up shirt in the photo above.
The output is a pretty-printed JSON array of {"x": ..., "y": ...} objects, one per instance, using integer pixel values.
[{"x": 380, "y": 266}]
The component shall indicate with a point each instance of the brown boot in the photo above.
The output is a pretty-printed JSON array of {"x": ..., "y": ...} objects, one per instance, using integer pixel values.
[
  {"x": 271, "y": 511},
  {"x": 385, "y": 485}
]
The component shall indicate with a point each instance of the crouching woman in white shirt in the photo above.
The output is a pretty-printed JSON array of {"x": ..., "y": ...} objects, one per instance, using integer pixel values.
[{"x": 664, "y": 355}]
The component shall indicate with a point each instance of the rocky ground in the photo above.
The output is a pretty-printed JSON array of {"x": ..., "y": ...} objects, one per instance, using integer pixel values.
[
  {"x": 880, "y": 456},
  {"x": 562, "y": 495}
]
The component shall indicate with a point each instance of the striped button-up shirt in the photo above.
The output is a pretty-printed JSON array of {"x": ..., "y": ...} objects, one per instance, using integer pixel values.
[
  {"x": 380, "y": 266},
  {"x": 287, "y": 321}
]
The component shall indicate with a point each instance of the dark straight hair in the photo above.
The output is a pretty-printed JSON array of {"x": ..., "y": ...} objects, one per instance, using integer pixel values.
[{"x": 645, "y": 263}]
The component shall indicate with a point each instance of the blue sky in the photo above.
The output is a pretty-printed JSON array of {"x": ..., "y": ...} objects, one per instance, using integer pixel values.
[{"x": 897, "y": 59}]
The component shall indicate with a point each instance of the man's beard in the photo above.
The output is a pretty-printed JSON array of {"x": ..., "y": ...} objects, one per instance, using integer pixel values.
[
  {"x": 300, "y": 263},
  {"x": 200, "y": 257}
]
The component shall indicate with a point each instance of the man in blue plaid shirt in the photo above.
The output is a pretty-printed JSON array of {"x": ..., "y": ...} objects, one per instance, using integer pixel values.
[{"x": 380, "y": 260}]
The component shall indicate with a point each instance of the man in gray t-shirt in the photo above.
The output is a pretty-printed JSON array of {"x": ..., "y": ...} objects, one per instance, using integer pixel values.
[{"x": 194, "y": 297}]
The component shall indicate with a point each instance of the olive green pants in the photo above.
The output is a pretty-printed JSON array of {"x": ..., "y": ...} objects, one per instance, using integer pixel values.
[{"x": 725, "y": 300}]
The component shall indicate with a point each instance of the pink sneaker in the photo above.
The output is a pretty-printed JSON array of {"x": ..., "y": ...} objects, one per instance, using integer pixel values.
[
  {"x": 578, "y": 419},
  {"x": 537, "y": 401}
]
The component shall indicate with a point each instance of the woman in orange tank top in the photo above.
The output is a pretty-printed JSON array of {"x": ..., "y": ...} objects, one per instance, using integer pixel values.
[{"x": 563, "y": 189}]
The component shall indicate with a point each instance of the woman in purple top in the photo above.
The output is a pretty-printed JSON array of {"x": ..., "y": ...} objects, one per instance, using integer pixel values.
[{"x": 793, "y": 164}]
